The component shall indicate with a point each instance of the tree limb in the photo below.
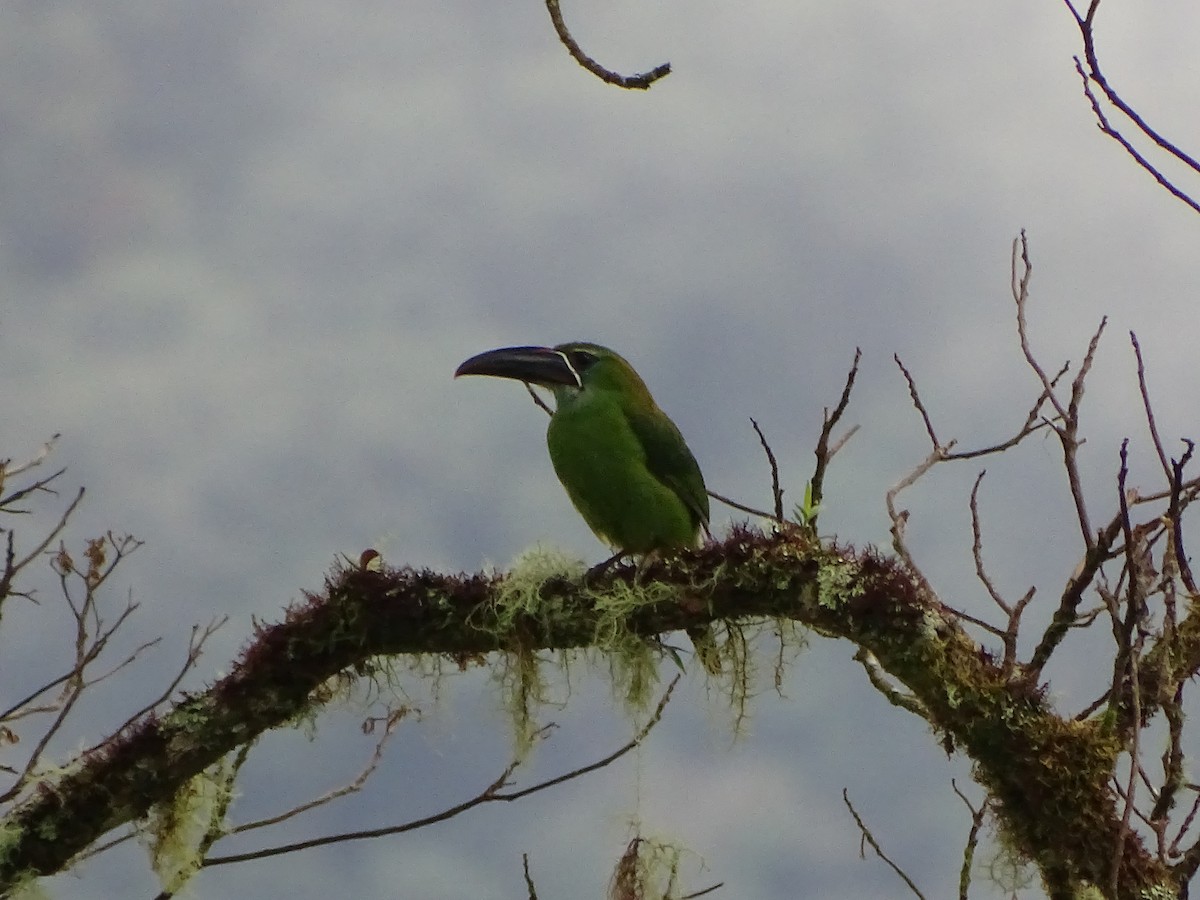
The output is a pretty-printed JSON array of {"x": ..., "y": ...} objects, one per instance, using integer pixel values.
[{"x": 1050, "y": 777}]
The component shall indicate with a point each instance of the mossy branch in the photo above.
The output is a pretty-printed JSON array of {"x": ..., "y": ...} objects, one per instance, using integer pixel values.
[{"x": 1049, "y": 777}]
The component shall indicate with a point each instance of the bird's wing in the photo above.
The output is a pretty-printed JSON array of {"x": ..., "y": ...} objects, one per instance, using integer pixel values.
[{"x": 669, "y": 459}]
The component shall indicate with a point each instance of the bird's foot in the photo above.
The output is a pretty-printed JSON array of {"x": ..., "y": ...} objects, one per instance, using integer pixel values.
[
  {"x": 644, "y": 565},
  {"x": 601, "y": 567}
]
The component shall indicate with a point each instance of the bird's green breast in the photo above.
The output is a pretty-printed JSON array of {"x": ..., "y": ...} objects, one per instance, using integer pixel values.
[{"x": 628, "y": 471}]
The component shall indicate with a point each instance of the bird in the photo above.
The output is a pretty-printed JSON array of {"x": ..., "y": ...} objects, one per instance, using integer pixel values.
[{"x": 623, "y": 462}]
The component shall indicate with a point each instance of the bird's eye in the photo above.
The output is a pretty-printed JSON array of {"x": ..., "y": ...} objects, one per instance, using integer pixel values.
[{"x": 581, "y": 359}]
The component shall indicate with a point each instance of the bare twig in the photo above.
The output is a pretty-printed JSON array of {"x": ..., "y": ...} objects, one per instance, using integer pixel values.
[
  {"x": 841, "y": 442},
  {"x": 493, "y": 793},
  {"x": 1149, "y": 410},
  {"x": 1022, "y": 274},
  {"x": 632, "y": 82},
  {"x": 532, "y": 891},
  {"x": 1186, "y": 825},
  {"x": 1180, "y": 488},
  {"x": 916, "y": 401},
  {"x": 1172, "y": 765},
  {"x": 977, "y": 819},
  {"x": 1068, "y": 431},
  {"x": 537, "y": 400},
  {"x": 125, "y": 837},
  {"x": 899, "y": 517},
  {"x": 7, "y": 468},
  {"x": 1094, "y": 75},
  {"x": 91, "y": 638},
  {"x": 1033, "y": 422},
  {"x": 944, "y": 452},
  {"x": 12, "y": 566},
  {"x": 1174, "y": 566},
  {"x": 76, "y": 683},
  {"x": 352, "y": 787},
  {"x": 54, "y": 532},
  {"x": 41, "y": 486},
  {"x": 977, "y": 548},
  {"x": 869, "y": 838},
  {"x": 22, "y": 707},
  {"x": 824, "y": 451},
  {"x": 1126, "y": 667},
  {"x": 776, "y": 490},
  {"x": 195, "y": 647},
  {"x": 879, "y": 680},
  {"x": 741, "y": 507},
  {"x": 1011, "y": 632},
  {"x": 1066, "y": 616},
  {"x": 487, "y": 795}
]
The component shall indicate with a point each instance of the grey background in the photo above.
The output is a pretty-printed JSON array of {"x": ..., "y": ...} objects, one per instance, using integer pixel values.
[{"x": 244, "y": 246}]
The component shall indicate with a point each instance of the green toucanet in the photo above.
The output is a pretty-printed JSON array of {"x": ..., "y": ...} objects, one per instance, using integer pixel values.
[{"x": 623, "y": 463}]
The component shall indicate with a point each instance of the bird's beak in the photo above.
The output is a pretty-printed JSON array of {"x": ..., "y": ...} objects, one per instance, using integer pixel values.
[{"x": 533, "y": 365}]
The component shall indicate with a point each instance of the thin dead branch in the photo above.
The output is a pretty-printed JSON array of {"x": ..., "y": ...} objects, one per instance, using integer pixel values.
[
  {"x": 977, "y": 819},
  {"x": 1148, "y": 407},
  {"x": 199, "y": 636},
  {"x": 741, "y": 507},
  {"x": 352, "y": 787},
  {"x": 639, "y": 82},
  {"x": 7, "y": 469},
  {"x": 825, "y": 451},
  {"x": 493, "y": 793},
  {"x": 868, "y": 838},
  {"x": 12, "y": 565},
  {"x": 1066, "y": 422},
  {"x": 1130, "y": 639},
  {"x": 1010, "y": 633},
  {"x": 776, "y": 490},
  {"x": 532, "y": 891},
  {"x": 944, "y": 452},
  {"x": 537, "y": 400},
  {"x": 1092, "y": 74},
  {"x": 881, "y": 682},
  {"x": 91, "y": 638}
]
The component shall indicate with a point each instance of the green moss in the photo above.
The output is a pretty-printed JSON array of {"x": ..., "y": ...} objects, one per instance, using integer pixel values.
[
  {"x": 175, "y": 831},
  {"x": 528, "y": 602},
  {"x": 1008, "y": 869},
  {"x": 523, "y": 689},
  {"x": 10, "y": 836},
  {"x": 520, "y": 592},
  {"x": 634, "y": 671},
  {"x": 633, "y": 662},
  {"x": 838, "y": 580},
  {"x": 30, "y": 889},
  {"x": 1162, "y": 892}
]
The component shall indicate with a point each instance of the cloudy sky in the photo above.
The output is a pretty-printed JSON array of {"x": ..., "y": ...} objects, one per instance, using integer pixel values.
[{"x": 245, "y": 246}]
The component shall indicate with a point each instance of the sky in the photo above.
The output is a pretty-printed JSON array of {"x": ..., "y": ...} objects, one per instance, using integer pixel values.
[{"x": 245, "y": 246}]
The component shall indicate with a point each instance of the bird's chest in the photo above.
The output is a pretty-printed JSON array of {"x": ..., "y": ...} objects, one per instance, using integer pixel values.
[
  {"x": 606, "y": 470},
  {"x": 594, "y": 446}
]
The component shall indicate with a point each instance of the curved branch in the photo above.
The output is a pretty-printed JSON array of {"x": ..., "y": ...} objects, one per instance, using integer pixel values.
[
  {"x": 493, "y": 793},
  {"x": 640, "y": 82},
  {"x": 1094, "y": 75},
  {"x": 1018, "y": 743}
]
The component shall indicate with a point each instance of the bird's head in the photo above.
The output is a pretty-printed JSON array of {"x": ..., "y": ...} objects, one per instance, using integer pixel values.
[{"x": 570, "y": 370}]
